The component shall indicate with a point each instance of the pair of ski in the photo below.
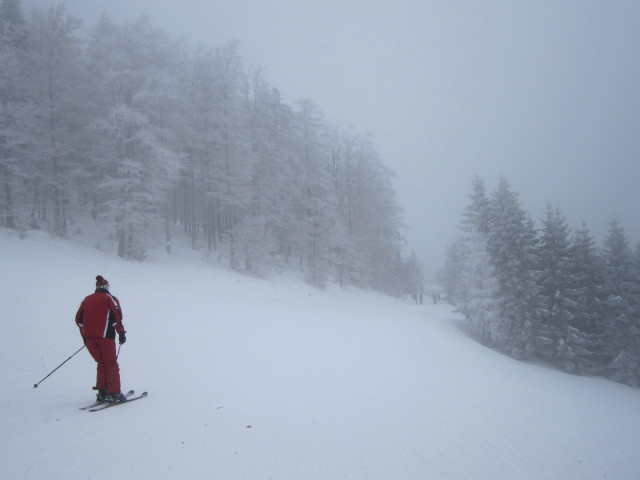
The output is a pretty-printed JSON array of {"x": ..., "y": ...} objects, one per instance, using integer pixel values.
[{"x": 97, "y": 406}]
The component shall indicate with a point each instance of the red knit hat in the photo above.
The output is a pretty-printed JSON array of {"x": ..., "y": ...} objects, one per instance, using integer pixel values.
[{"x": 102, "y": 282}]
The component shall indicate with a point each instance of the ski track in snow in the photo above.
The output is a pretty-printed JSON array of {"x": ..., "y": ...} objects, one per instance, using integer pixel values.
[{"x": 272, "y": 379}]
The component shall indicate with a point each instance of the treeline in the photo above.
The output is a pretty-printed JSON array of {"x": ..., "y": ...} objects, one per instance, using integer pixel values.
[
  {"x": 136, "y": 128},
  {"x": 547, "y": 293}
]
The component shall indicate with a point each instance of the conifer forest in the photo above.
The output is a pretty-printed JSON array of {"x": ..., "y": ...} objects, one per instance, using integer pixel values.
[{"x": 550, "y": 293}]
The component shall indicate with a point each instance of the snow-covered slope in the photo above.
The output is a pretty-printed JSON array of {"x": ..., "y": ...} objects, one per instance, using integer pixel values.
[{"x": 272, "y": 379}]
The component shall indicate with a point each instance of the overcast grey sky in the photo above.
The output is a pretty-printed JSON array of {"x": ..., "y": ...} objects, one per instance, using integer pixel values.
[{"x": 545, "y": 92}]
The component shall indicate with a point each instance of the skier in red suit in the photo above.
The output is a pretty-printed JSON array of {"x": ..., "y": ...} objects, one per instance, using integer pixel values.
[{"x": 99, "y": 319}]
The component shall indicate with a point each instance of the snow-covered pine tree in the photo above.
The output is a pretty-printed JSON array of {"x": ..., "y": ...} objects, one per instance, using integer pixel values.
[
  {"x": 557, "y": 293},
  {"x": 476, "y": 214},
  {"x": 623, "y": 324},
  {"x": 477, "y": 283},
  {"x": 479, "y": 286},
  {"x": 585, "y": 340},
  {"x": 450, "y": 274},
  {"x": 635, "y": 293},
  {"x": 512, "y": 247}
]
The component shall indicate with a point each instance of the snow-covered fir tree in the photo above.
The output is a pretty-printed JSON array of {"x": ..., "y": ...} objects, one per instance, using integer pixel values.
[
  {"x": 557, "y": 291},
  {"x": 546, "y": 294},
  {"x": 586, "y": 334},
  {"x": 449, "y": 277},
  {"x": 512, "y": 247},
  {"x": 477, "y": 285},
  {"x": 622, "y": 300}
]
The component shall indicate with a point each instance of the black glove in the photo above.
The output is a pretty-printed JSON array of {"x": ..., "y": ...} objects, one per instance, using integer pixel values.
[{"x": 122, "y": 337}]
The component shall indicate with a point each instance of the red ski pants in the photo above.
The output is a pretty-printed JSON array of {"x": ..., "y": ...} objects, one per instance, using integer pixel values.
[{"x": 103, "y": 351}]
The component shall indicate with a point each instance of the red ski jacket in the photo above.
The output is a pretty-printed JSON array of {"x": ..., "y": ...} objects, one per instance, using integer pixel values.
[{"x": 100, "y": 315}]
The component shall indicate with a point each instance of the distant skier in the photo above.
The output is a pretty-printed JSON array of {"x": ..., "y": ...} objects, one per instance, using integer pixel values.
[{"x": 99, "y": 318}]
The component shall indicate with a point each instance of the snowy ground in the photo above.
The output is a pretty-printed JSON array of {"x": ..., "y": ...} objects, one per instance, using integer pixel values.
[{"x": 272, "y": 379}]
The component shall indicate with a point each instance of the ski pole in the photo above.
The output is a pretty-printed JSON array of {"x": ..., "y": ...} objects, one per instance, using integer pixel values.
[{"x": 36, "y": 385}]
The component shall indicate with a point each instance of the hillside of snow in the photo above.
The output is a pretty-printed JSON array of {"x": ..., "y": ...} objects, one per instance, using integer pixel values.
[{"x": 272, "y": 379}]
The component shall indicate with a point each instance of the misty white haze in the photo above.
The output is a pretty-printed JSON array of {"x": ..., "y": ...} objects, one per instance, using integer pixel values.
[
  {"x": 545, "y": 93},
  {"x": 229, "y": 167}
]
